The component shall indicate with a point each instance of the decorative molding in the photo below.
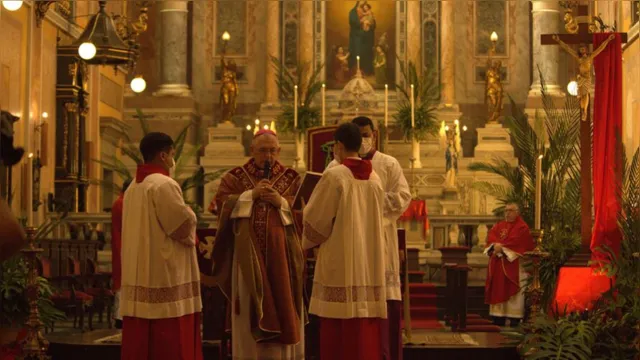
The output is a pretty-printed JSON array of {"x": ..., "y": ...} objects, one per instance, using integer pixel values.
[
  {"x": 41, "y": 8},
  {"x": 290, "y": 42}
]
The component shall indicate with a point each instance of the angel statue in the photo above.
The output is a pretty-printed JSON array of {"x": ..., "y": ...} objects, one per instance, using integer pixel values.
[
  {"x": 493, "y": 90},
  {"x": 228, "y": 88},
  {"x": 585, "y": 60}
]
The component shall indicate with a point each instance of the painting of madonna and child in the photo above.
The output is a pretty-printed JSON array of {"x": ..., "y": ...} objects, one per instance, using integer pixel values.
[{"x": 365, "y": 29}]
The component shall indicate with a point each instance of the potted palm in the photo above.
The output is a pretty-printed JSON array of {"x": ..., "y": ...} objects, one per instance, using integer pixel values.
[{"x": 13, "y": 287}]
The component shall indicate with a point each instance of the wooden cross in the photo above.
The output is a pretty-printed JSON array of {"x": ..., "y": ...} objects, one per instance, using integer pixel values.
[{"x": 585, "y": 38}]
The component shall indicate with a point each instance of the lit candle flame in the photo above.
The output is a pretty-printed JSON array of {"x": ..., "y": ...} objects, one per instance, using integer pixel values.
[
  {"x": 226, "y": 36},
  {"x": 494, "y": 36}
]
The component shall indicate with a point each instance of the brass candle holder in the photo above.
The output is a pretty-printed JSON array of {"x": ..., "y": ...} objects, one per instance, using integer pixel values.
[
  {"x": 535, "y": 291},
  {"x": 412, "y": 187},
  {"x": 34, "y": 346}
]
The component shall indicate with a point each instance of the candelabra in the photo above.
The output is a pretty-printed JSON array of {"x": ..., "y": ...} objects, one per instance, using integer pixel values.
[
  {"x": 535, "y": 290},
  {"x": 34, "y": 346}
]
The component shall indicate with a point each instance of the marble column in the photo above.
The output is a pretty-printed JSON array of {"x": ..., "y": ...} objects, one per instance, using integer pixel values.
[
  {"x": 305, "y": 40},
  {"x": 546, "y": 20},
  {"x": 414, "y": 24},
  {"x": 448, "y": 46},
  {"x": 273, "y": 49},
  {"x": 173, "y": 48}
]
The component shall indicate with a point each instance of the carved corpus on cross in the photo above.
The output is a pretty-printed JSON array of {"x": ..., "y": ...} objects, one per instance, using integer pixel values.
[{"x": 582, "y": 38}]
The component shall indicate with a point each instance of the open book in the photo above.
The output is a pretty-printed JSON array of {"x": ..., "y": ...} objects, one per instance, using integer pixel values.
[{"x": 306, "y": 188}]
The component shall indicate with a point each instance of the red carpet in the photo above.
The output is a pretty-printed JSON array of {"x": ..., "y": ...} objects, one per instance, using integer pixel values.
[{"x": 423, "y": 305}]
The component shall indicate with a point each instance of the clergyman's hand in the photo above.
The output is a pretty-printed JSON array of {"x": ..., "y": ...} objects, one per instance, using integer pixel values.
[
  {"x": 497, "y": 248},
  {"x": 261, "y": 188},
  {"x": 271, "y": 196}
]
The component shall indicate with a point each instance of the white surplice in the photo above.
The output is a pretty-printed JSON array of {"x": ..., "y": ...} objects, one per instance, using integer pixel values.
[
  {"x": 397, "y": 198},
  {"x": 244, "y": 345},
  {"x": 344, "y": 217},
  {"x": 514, "y": 307},
  {"x": 160, "y": 276}
]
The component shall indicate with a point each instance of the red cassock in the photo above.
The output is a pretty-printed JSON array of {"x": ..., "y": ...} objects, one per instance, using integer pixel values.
[
  {"x": 162, "y": 339},
  {"x": 116, "y": 241},
  {"x": 503, "y": 278}
]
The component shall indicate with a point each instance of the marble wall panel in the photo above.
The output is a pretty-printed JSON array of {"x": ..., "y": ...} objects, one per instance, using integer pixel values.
[
  {"x": 231, "y": 16},
  {"x": 490, "y": 16},
  {"x": 110, "y": 93},
  {"x": 12, "y": 63}
]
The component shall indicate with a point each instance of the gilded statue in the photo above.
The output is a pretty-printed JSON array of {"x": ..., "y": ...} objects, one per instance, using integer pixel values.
[
  {"x": 493, "y": 90},
  {"x": 229, "y": 88},
  {"x": 585, "y": 61}
]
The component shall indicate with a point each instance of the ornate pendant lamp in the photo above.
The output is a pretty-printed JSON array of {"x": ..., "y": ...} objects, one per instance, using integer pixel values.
[{"x": 100, "y": 43}]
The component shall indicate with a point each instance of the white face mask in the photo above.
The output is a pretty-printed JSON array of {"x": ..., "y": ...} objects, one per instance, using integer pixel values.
[
  {"x": 172, "y": 168},
  {"x": 367, "y": 145}
]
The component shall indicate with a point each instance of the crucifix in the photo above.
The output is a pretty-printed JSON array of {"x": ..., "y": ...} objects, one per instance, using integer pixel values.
[{"x": 583, "y": 38}]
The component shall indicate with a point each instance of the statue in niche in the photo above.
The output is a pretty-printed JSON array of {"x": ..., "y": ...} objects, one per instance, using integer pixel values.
[
  {"x": 493, "y": 90},
  {"x": 229, "y": 88},
  {"x": 451, "y": 159}
]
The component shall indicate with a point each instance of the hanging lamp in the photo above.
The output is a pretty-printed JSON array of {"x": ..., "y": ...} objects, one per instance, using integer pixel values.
[{"x": 100, "y": 43}]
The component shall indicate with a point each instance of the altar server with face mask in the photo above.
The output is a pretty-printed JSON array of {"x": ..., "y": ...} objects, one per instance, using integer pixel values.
[
  {"x": 160, "y": 291},
  {"x": 396, "y": 201}
]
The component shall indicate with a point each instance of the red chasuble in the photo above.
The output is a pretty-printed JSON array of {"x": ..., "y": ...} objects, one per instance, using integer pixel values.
[
  {"x": 116, "y": 241},
  {"x": 280, "y": 321},
  {"x": 503, "y": 278}
]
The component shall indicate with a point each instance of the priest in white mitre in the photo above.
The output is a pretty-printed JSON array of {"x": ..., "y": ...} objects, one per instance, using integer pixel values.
[
  {"x": 344, "y": 219},
  {"x": 160, "y": 291},
  {"x": 396, "y": 200}
]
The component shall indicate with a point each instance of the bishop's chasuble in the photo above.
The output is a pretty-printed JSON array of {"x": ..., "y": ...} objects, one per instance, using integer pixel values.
[
  {"x": 160, "y": 294},
  {"x": 396, "y": 201},
  {"x": 259, "y": 264},
  {"x": 344, "y": 218},
  {"x": 505, "y": 274}
]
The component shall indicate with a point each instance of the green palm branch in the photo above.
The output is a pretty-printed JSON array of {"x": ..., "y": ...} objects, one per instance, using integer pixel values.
[
  {"x": 183, "y": 159},
  {"x": 309, "y": 85},
  {"x": 426, "y": 96}
]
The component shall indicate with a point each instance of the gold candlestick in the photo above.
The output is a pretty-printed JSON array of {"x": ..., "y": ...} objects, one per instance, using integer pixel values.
[
  {"x": 535, "y": 290},
  {"x": 414, "y": 191},
  {"x": 34, "y": 345}
]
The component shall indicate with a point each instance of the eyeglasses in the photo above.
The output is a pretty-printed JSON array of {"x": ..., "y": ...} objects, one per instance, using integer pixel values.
[{"x": 271, "y": 151}]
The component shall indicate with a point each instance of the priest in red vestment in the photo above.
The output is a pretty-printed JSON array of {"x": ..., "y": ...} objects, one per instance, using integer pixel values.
[
  {"x": 257, "y": 257},
  {"x": 504, "y": 289},
  {"x": 116, "y": 248},
  {"x": 345, "y": 220},
  {"x": 160, "y": 293}
]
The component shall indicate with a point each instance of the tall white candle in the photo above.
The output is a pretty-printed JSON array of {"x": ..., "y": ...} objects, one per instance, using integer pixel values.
[
  {"x": 295, "y": 107},
  {"x": 323, "y": 104},
  {"x": 386, "y": 106},
  {"x": 538, "y": 205},
  {"x": 413, "y": 109},
  {"x": 29, "y": 184},
  {"x": 358, "y": 62}
]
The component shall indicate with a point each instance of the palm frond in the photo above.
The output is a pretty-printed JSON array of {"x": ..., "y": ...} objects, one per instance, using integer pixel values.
[
  {"x": 144, "y": 125},
  {"x": 181, "y": 139}
]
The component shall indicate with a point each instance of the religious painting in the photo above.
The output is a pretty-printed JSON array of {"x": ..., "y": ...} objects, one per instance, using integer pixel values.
[
  {"x": 490, "y": 16},
  {"x": 364, "y": 29}
]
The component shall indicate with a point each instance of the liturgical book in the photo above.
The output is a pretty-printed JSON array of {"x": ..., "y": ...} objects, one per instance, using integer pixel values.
[{"x": 304, "y": 192}]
